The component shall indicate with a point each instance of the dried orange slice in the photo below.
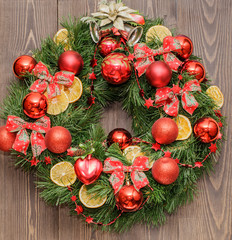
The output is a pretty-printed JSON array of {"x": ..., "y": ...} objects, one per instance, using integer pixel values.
[
  {"x": 63, "y": 174},
  {"x": 74, "y": 92},
  {"x": 90, "y": 200},
  {"x": 132, "y": 152},
  {"x": 61, "y": 37},
  {"x": 58, "y": 104},
  {"x": 157, "y": 32},
  {"x": 215, "y": 93},
  {"x": 184, "y": 127}
]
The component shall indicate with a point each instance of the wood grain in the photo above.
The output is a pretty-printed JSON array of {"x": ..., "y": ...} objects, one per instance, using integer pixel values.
[{"x": 23, "y": 215}]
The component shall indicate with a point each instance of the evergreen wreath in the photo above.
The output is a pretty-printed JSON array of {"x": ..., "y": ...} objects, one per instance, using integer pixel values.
[{"x": 81, "y": 118}]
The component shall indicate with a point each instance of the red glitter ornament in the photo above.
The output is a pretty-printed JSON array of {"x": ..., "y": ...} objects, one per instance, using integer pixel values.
[
  {"x": 206, "y": 129},
  {"x": 158, "y": 74},
  {"x": 165, "y": 170},
  {"x": 116, "y": 68},
  {"x": 71, "y": 61},
  {"x": 7, "y": 139},
  {"x": 88, "y": 170},
  {"x": 58, "y": 139},
  {"x": 120, "y": 136},
  {"x": 128, "y": 199},
  {"x": 186, "y": 46},
  {"x": 164, "y": 130},
  {"x": 194, "y": 68},
  {"x": 35, "y": 105},
  {"x": 107, "y": 45},
  {"x": 22, "y": 65}
]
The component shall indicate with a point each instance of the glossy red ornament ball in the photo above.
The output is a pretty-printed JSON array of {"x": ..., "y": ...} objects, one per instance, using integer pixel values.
[
  {"x": 107, "y": 45},
  {"x": 195, "y": 68},
  {"x": 120, "y": 136},
  {"x": 165, "y": 170},
  {"x": 206, "y": 129},
  {"x": 88, "y": 170},
  {"x": 164, "y": 130},
  {"x": 71, "y": 61},
  {"x": 6, "y": 139},
  {"x": 128, "y": 199},
  {"x": 35, "y": 105},
  {"x": 116, "y": 68},
  {"x": 158, "y": 74},
  {"x": 22, "y": 65},
  {"x": 58, "y": 139},
  {"x": 186, "y": 46}
]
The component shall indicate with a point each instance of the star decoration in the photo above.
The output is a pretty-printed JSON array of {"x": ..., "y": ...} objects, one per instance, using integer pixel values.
[
  {"x": 180, "y": 77},
  {"x": 213, "y": 148},
  {"x": 79, "y": 209},
  {"x": 91, "y": 100},
  {"x": 93, "y": 62},
  {"x": 176, "y": 89},
  {"x": 47, "y": 160},
  {"x": 92, "y": 76},
  {"x": 177, "y": 160},
  {"x": 131, "y": 57},
  {"x": 167, "y": 154},
  {"x": 73, "y": 198},
  {"x": 89, "y": 220},
  {"x": 149, "y": 103},
  {"x": 198, "y": 164},
  {"x": 156, "y": 146},
  {"x": 70, "y": 152},
  {"x": 34, "y": 161},
  {"x": 219, "y": 135},
  {"x": 220, "y": 124}
]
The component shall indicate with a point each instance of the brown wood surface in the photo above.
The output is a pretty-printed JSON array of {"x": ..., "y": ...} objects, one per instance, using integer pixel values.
[{"x": 23, "y": 216}]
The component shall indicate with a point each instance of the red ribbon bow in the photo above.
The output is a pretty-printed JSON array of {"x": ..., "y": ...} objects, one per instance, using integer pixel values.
[
  {"x": 168, "y": 97},
  {"x": 21, "y": 143},
  {"x": 145, "y": 56},
  {"x": 49, "y": 82},
  {"x": 138, "y": 177}
]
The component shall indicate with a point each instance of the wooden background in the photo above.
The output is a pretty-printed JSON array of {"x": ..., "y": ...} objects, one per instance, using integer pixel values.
[{"x": 23, "y": 216}]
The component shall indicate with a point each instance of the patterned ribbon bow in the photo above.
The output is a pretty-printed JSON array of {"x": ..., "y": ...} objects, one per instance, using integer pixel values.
[
  {"x": 22, "y": 141},
  {"x": 138, "y": 177},
  {"x": 49, "y": 82},
  {"x": 145, "y": 56},
  {"x": 168, "y": 97}
]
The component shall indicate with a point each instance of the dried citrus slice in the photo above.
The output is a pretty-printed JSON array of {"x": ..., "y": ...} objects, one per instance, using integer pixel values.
[
  {"x": 132, "y": 152},
  {"x": 74, "y": 92},
  {"x": 61, "y": 37},
  {"x": 215, "y": 93},
  {"x": 58, "y": 104},
  {"x": 89, "y": 200},
  {"x": 184, "y": 127},
  {"x": 157, "y": 32},
  {"x": 63, "y": 174}
]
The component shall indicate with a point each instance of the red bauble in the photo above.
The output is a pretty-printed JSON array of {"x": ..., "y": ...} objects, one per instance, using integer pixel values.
[
  {"x": 22, "y": 65},
  {"x": 165, "y": 170},
  {"x": 107, "y": 45},
  {"x": 71, "y": 61},
  {"x": 206, "y": 129},
  {"x": 35, "y": 105},
  {"x": 6, "y": 139},
  {"x": 186, "y": 46},
  {"x": 158, "y": 74},
  {"x": 128, "y": 199},
  {"x": 164, "y": 130},
  {"x": 58, "y": 139},
  {"x": 88, "y": 170},
  {"x": 116, "y": 68},
  {"x": 195, "y": 68},
  {"x": 120, "y": 136}
]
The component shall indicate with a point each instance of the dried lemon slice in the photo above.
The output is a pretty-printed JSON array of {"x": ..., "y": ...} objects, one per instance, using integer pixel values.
[
  {"x": 61, "y": 37},
  {"x": 63, "y": 174},
  {"x": 74, "y": 92},
  {"x": 184, "y": 127},
  {"x": 215, "y": 93},
  {"x": 132, "y": 152},
  {"x": 157, "y": 32}
]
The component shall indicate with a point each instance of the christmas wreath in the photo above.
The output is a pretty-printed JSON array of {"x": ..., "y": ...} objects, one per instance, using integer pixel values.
[{"x": 53, "y": 118}]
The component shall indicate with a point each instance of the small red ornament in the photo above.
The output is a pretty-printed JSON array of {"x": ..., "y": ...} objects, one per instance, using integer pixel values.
[
  {"x": 186, "y": 46},
  {"x": 116, "y": 68},
  {"x": 7, "y": 139},
  {"x": 165, "y": 170},
  {"x": 58, "y": 139},
  {"x": 128, "y": 199},
  {"x": 35, "y": 105},
  {"x": 138, "y": 18},
  {"x": 88, "y": 170},
  {"x": 158, "y": 74},
  {"x": 120, "y": 136},
  {"x": 164, "y": 130},
  {"x": 71, "y": 61},
  {"x": 206, "y": 129},
  {"x": 107, "y": 45},
  {"x": 22, "y": 65},
  {"x": 194, "y": 68}
]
